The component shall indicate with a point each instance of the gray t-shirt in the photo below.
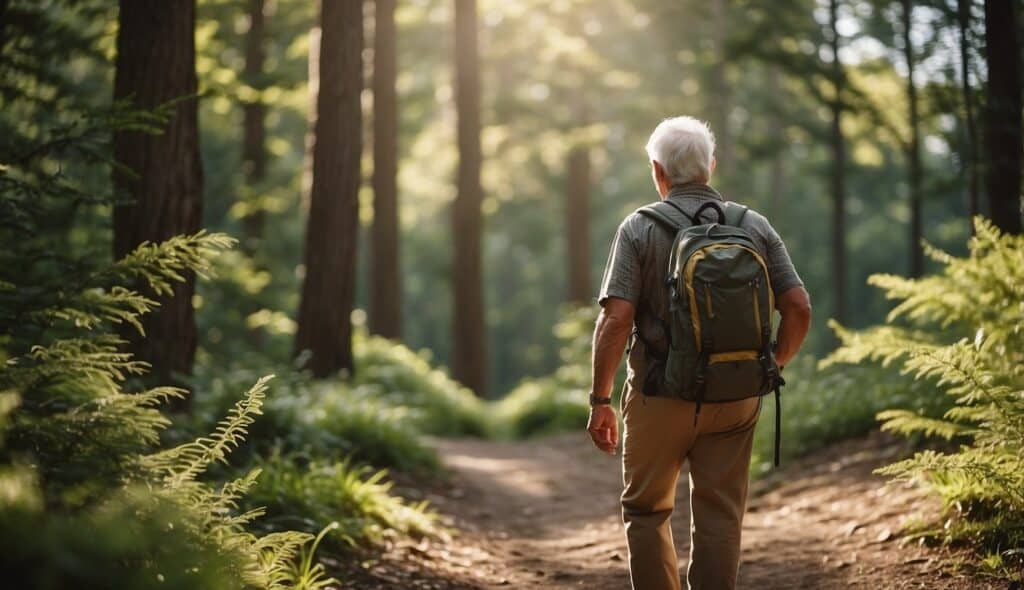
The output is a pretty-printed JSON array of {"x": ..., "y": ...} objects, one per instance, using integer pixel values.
[{"x": 638, "y": 263}]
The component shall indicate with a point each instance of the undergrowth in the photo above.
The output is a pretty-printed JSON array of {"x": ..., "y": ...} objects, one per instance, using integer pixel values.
[{"x": 980, "y": 300}]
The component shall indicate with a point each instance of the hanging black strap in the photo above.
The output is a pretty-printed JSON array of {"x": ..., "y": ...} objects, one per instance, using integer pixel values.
[{"x": 778, "y": 425}]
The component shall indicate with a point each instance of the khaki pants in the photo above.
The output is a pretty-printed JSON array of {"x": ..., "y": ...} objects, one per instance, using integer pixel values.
[{"x": 659, "y": 435}]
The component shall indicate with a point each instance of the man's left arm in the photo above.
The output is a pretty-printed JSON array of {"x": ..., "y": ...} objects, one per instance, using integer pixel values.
[{"x": 614, "y": 325}]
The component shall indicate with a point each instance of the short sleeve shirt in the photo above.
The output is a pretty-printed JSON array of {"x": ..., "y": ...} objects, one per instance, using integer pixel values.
[{"x": 638, "y": 262}]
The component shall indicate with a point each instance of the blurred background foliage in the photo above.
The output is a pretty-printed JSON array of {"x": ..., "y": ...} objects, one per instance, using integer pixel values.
[
  {"x": 632, "y": 63},
  {"x": 557, "y": 77}
]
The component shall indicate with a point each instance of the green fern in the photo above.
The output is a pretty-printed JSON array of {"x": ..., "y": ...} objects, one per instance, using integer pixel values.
[{"x": 979, "y": 298}]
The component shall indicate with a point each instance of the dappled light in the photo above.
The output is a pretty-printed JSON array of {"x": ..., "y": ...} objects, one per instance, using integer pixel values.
[{"x": 473, "y": 294}]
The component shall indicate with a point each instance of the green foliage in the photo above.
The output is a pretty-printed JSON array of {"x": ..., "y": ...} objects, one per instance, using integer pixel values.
[
  {"x": 303, "y": 494},
  {"x": 982, "y": 482},
  {"x": 398, "y": 376},
  {"x": 822, "y": 406},
  {"x": 327, "y": 419},
  {"x": 82, "y": 471},
  {"x": 559, "y": 401}
]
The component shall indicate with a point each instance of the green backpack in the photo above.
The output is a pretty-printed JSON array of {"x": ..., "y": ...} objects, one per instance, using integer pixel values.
[{"x": 720, "y": 313}]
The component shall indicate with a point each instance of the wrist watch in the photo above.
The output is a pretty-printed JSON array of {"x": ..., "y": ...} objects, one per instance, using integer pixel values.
[{"x": 600, "y": 401}]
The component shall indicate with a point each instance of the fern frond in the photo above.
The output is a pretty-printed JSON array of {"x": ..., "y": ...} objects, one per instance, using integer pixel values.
[
  {"x": 185, "y": 462},
  {"x": 906, "y": 422}
]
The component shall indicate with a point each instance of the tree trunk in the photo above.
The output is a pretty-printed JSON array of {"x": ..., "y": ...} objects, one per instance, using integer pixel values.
[
  {"x": 777, "y": 130},
  {"x": 1003, "y": 115},
  {"x": 577, "y": 224},
  {"x": 385, "y": 284},
  {"x": 971, "y": 146},
  {"x": 721, "y": 95},
  {"x": 469, "y": 365},
  {"x": 913, "y": 148},
  {"x": 312, "y": 93},
  {"x": 166, "y": 188},
  {"x": 254, "y": 153},
  {"x": 328, "y": 292},
  {"x": 838, "y": 173}
]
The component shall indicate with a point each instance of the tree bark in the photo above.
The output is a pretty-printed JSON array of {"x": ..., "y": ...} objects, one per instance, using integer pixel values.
[
  {"x": 913, "y": 147},
  {"x": 328, "y": 292},
  {"x": 1003, "y": 115},
  {"x": 312, "y": 92},
  {"x": 777, "y": 130},
  {"x": 838, "y": 172},
  {"x": 385, "y": 286},
  {"x": 577, "y": 224},
  {"x": 156, "y": 64},
  {"x": 469, "y": 365},
  {"x": 971, "y": 145},
  {"x": 254, "y": 153},
  {"x": 722, "y": 93}
]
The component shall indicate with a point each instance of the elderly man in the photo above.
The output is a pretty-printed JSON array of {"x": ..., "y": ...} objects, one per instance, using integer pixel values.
[{"x": 662, "y": 431}]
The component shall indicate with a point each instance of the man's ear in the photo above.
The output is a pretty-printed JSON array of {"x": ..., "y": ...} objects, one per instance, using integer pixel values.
[
  {"x": 714, "y": 164},
  {"x": 660, "y": 176}
]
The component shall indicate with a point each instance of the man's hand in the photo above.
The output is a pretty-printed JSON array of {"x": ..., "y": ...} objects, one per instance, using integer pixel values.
[{"x": 603, "y": 428}]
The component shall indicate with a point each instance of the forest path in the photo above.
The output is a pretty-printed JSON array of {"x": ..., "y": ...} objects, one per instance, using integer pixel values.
[{"x": 544, "y": 513}]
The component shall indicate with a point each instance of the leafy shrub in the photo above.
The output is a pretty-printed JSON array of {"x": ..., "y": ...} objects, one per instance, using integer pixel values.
[
  {"x": 80, "y": 466},
  {"x": 328, "y": 419},
  {"x": 401, "y": 377},
  {"x": 559, "y": 401},
  {"x": 304, "y": 494},
  {"x": 820, "y": 407},
  {"x": 981, "y": 298}
]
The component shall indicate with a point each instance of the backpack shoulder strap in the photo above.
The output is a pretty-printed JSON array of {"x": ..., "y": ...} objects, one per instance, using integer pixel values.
[
  {"x": 659, "y": 216},
  {"x": 734, "y": 213},
  {"x": 656, "y": 212}
]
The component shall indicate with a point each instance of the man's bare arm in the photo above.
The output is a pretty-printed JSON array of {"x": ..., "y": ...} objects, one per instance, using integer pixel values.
[
  {"x": 795, "y": 307},
  {"x": 614, "y": 325}
]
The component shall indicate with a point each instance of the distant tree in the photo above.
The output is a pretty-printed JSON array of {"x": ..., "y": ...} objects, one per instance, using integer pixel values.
[
  {"x": 1003, "y": 115},
  {"x": 254, "y": 139},
  {"x": 254, "y": 151},
  {"x": 913, "y": 145},
  {"x": 328, "y": 291},
  {"x": 838, "y": 179},
  {"x": 963, "y": 14},
  {"x": 721, "y": 95},
  {"x": 577, "y": 215},
  {"x": 469, "y": 362},
  {"x": 385, "y": 277},
  {"x": 163, "y": 175}
]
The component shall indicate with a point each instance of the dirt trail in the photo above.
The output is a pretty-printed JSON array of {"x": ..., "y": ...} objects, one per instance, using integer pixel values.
[{"x": 545, "y": 514}]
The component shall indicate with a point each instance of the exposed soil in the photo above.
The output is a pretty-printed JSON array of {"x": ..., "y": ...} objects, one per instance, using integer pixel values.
[{"x": 545, "y": 514}]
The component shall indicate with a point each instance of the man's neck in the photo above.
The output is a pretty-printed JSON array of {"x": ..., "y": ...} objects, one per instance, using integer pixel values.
[{"x": 694, "y": 189}]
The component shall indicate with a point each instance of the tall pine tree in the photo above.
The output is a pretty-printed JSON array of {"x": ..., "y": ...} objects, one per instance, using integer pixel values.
[
  {"x": 385, "y": 277},
  {"x": 1003, "y": 114},
  {"x": 162, "y": 180},
  {"x": 469, "y": 364},
  {"x": 328, "y": 291}
]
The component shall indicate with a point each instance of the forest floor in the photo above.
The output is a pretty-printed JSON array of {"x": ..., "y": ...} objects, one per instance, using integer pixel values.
[{"x": 544, "y": 513}]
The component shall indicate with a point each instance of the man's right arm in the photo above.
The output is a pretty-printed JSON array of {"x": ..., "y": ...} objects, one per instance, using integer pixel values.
[{"x": 795, "y": 307}]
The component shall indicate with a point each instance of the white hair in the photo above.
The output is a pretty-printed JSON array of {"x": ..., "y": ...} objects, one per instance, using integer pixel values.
[{"x": 684, "y": 147}]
